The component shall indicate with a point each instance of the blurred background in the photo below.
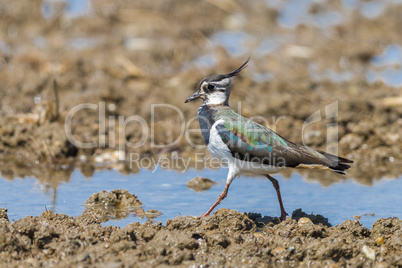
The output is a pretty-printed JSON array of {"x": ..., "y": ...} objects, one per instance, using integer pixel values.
[{"x": 305, "y": 55}]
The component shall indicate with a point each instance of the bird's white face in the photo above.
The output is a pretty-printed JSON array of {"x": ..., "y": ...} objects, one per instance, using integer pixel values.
[{"x": 215, "y": 92}]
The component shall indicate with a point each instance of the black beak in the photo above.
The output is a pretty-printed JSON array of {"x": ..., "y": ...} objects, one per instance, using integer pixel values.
[{"x": 195, "y": 96}]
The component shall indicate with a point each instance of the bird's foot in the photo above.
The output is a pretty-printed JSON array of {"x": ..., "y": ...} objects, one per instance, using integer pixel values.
[{"x": 283, "y": 215}]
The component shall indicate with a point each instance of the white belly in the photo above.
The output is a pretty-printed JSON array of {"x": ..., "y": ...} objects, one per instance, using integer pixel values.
[{"x": 217, "y": 147}]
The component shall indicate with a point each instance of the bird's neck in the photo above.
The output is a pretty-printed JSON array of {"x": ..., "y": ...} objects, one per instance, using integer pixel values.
[
  {"x": 208, "y": 112},
  {"x": 217, "y": 98},
  {"x": 207, "y": 107}
]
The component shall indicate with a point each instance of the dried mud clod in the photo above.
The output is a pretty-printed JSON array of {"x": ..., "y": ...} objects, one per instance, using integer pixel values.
[
  {"x": 115, "y": 204},
  {"x": 200, "y": 184},
  {"x": 119, "y": 197},
  {"x": 152, "y": 213}
]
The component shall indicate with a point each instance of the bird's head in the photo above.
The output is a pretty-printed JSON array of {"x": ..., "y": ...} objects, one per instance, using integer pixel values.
[{"x": 215, "y": 89}]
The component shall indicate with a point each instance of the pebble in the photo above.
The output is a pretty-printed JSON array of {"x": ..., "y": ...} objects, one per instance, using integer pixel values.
[
  {"x": 369, "y": 252},
  {"x": 304, "y": 222},
  {"x": 379, "y": 241},
  {"x": 200, "y": 184},
  {"x": 278, "y": 250}
]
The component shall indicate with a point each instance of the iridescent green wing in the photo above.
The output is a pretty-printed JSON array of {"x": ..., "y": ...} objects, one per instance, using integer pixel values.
[{"x": 252, "y": 142}]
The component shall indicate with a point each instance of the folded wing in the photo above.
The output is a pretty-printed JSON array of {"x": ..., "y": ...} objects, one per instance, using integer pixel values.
[{"x": 250, "y": 141}]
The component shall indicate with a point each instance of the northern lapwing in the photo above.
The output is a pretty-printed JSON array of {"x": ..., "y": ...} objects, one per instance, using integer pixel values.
[{"x": 246, "y": 146}]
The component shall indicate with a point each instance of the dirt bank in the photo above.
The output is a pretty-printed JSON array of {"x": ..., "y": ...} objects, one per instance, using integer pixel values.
[{"x": 226, "y": 238}]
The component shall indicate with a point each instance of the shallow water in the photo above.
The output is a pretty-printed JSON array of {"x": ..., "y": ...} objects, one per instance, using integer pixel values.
[{"x": 165, "y": 190}]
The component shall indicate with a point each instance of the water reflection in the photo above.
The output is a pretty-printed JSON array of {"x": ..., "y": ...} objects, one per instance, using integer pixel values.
[
  {"x": 166, "y": 191},
  {"x": 52, "y": 175}
]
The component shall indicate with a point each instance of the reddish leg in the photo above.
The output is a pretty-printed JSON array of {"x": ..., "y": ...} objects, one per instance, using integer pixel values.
[
  {"x": 218, "y": 201},
  {"x": 278, "y": 192}
]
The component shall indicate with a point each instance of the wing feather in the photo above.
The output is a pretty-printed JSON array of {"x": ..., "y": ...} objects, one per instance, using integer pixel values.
[{"x": 250, "y": 141}]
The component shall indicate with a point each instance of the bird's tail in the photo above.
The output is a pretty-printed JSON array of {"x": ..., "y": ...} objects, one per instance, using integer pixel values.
[{"x": 338, "y": 164}]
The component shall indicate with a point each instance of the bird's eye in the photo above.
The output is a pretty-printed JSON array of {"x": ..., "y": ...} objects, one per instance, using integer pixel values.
[{"x": 211, "y": 87}]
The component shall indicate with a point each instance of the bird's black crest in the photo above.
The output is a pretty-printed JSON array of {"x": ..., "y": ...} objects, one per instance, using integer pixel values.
[{"x": 238, "y": 70}]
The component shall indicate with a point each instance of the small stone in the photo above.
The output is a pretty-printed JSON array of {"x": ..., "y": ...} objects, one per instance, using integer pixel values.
[
  {"x": 357, "y": 217},
  {"x": 278, "y": 250},
  {"x": 57, "y": 143},
  {"x": 369, "y": 252},
  {"x": 290, "y": 249},
  {"x": 200, "y": 184},
  {"x": 304, "y": 222},
  {"x": 379, "y": 241},
  {"x": 316, "y": 219},
  {"x": 152, "y": 213}
]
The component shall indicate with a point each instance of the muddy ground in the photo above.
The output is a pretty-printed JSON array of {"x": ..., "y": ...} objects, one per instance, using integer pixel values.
[
  {"x": 227, "y": 238},
  {"x": 128, "y": 55}
]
